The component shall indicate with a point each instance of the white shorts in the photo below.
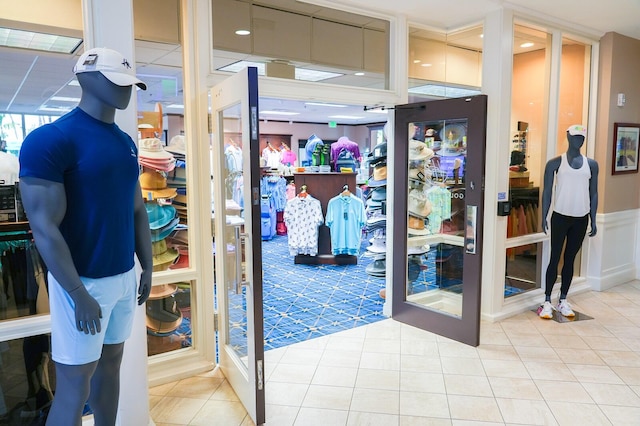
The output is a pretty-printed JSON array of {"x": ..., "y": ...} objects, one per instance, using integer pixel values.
[{"x": 117, "y": 298}]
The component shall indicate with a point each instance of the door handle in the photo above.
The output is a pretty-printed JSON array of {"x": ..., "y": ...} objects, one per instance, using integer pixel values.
[{"x": 239, "y": 237}]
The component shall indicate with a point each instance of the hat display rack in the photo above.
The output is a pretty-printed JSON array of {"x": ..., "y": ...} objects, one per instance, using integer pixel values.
[{"x": 376, "y": 211}]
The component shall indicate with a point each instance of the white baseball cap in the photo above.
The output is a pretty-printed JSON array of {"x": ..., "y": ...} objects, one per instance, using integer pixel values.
[
  {"x": 111, "y": 64},
  {"x": 577, "y": 129}
]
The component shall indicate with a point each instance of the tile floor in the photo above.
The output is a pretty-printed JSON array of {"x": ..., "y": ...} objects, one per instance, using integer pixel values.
[{"x": 526, "y": 371}]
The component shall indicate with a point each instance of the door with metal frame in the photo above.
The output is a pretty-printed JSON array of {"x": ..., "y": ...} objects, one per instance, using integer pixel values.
[
  {"x": 437, "y": 246},
  {"x": 237, "y": 245}
]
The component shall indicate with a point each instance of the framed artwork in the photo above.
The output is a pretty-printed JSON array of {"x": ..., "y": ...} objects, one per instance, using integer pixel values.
[{"x": 625, "y": 148}]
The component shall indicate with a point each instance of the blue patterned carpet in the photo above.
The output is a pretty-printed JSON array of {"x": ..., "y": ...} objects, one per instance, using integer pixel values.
[{"x": 306, "y": 301}]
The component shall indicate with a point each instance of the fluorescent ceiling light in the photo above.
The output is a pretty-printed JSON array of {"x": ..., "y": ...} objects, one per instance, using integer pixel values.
[
  {"x": 416, "y": 61},
  {"x": 346, "y": 117},
  {"x": 243, "y": 32},
  {"x": 443, "y": 91},
  {"x": 359, "y": 73},
  {"x": 38, "y": 41},
  {"x": 54, "y": 108},
  {"x": 279, "y": 112},
  {"x": 325, "y": 105},
  {"x": 378, "y": 111},
  {"x": 64, "y": 99},
  {"x": 175, "y": 106},
  {"x": 426, "y": 65},
  {"x": 527, "y": 44},
  {"x": 304, "y": 74}
]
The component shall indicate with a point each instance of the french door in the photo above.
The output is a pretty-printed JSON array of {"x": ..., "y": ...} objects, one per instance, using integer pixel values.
[
  {"x": 437, "y": 245},
  {"x": 238, "y": 260}
]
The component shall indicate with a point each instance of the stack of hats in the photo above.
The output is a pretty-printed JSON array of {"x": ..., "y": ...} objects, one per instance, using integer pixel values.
[
  {"x": 418, "y": 205},
  {"x": 376, "y": 210},
  {"x": 179, "y": 240},
  {"x": 177, "y": 178},
  {"x": 152, "y": 155},
  {"x": 163, "y": 315},
  {"x": 162, "y": 221}
]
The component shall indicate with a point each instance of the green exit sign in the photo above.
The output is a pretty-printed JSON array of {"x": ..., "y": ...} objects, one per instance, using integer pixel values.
[{"x": 333, "y": 124}]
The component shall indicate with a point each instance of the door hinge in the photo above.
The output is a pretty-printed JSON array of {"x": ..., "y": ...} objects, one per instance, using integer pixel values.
[{"x": 215, "y": 322}]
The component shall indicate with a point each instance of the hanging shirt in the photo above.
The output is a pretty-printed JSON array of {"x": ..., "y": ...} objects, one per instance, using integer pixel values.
[
  {"x": 344, "y": 143},
  {"x": 276, "y": 188},
  {"x": 288, "y": 157},
  {"x": 346, "y": 218},
  {"x": 572, "y": 188},
  {"x": 233, "y": 158},
  {"x": 272, "y": 157},
  {"x": 440, "y": 199},
  {"x": 303, "y": 216}
]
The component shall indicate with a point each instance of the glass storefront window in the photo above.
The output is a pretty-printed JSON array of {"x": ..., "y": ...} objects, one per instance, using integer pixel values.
[
  {"x": 169, "y": 318},
  {"x": 444, "y": 65},
  {"x": 523, "y": 269}
]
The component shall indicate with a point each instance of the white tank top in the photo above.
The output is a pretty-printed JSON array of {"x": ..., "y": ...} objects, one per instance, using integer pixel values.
[{"x": 572, "y": 188}]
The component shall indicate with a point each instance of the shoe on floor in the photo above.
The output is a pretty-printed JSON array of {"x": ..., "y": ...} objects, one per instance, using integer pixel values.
[
  {"x": 545, "y": 311},
  {"x": 565, "y": 308}
]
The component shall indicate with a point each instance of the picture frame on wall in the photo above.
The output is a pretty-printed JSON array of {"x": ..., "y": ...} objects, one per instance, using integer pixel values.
[{"x": 626, "y": 138}]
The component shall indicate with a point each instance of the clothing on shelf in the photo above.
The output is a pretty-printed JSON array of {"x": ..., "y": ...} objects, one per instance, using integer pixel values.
[
  {"x": 440, "y": 199},
  {"x": 271, "y": 156},
  {"x": 344, "y": 143},
  {"x": 275, "y": 186},
  {"x": 345, "y": 217},
  {"x": 303, "y": 217}
]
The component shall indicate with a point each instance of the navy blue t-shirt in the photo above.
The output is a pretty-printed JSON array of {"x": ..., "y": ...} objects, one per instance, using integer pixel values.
[{"x": 97, "y": 163}]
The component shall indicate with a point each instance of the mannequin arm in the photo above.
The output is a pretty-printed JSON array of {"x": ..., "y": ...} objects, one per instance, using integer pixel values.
[
  {"x": 143, "y": 246},
  {"x": 45, "y": 204},
  {"x": 549, "y": 174},
  {"x": 593, "y": 195}
]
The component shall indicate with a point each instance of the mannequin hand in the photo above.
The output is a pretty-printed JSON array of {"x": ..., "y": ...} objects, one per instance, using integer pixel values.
[
  {"x": 594, "y": 231},
  {"x": 145, "y": 287},
  {"x": 87, "y": 310}
]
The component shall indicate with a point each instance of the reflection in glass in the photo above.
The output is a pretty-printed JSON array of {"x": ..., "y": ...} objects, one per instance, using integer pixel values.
[
  {"x": 436, "y": 214},
  {"x": 523, "y": 269},
  {"x": 168, "y": 318}
]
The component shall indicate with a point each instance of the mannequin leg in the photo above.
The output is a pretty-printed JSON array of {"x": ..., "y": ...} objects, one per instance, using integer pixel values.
[
  {"x": 72, "y": 391},
  {"x": 575, "y": 236},
  {"x": 105, "y": 385},
  {"x": 558, "y": 234}
]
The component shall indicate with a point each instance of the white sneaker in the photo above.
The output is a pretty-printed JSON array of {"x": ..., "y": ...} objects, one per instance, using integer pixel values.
[
  {"x": 565, "y": 308},
  {"x": 545, "y": 311}
]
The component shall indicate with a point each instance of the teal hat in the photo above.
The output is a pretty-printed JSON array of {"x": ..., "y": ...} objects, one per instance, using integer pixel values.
[
  {"x": 159, "y": 215},
  {"x": 162, "y": 233}
]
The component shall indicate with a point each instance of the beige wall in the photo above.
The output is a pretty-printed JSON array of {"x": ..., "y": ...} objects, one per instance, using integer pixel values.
[{"x": 619, "y": 73}]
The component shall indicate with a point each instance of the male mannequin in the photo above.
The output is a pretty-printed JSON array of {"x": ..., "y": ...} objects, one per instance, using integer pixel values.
[
  {"x": 575, "y": 205},
  {"x": 80, "y": 190}
]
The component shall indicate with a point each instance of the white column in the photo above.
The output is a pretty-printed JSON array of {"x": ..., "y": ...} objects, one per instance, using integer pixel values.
[{"x": 110, "y": 24}]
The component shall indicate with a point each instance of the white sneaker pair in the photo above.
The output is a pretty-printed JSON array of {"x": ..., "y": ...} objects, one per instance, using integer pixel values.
[{"x": 546, "y": 310}]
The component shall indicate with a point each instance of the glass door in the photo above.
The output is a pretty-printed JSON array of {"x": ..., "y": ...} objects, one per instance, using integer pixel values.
[
  {"x": 238, "y": 261},
  {"x": 439, "y": 178}
]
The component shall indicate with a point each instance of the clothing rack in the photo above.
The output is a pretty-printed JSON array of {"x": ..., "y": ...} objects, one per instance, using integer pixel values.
[{"x": 15, "y": 231}]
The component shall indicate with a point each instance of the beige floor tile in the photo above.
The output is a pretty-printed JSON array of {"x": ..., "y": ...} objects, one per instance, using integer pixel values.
[
  {"x": 574, "y": 414},
  {"x": 425, "y": 348},
  {"x": 375, "y": 401},
  {"x": 410, "y": 333},
  {"x": 220, "y": 413},
  {"x": 636, "y": 389},
  {"x": 625, "y": 331},
  {"x": 468, "y": 366},
  {"x": 378, "y": 379},
  {"x": 420, "y": 364},
  {"x": 612, "y": 394},
  {"x": 537, "y": 354},
  {"x": 387, "y": 329},
  {"x": 620, "y": 358},
  {"x": 474, "y": 408},
  {"x": 411, "y": 381},
  {"x": 605, "y": 343},
  {"x": 330, "y": 397},
  {"x": 162, "y": 390},
  {"x": 632, "y": 344},
  {"x": 457, "y": 350},
  {"x": 301, "y": 356},
  {"x": 377, "y": 361},
  {"x": 424, "y": 405},
  {"x": 381, "y": 346},
  {"x": 579, "y": 356},
  {"x": 590, "y": 328},
  {"x": 630, "y": 375},
  {"x": 176, "y": 410},
  {"x": 594, "y": 374},
  {"x": 316, "y": 344},
  {"x": 337, "y": 358},
  {"x": 501, "y": 368},
  {"x": 467, "y": 385},
  {"x": 292, "y": 373},
  {"x": 281, "y": 415},
  {"x": 423, "y": 421},
  {"x": 621, "y": 415},
  {"x": 321, "y": 417},
  {"x": 505, "y": 387},
  {"x": 335, "y": 376},
  {"x": 494, "y": 338},
  {"x": 566, "y": 342},
  {"x": 502, "y": 352},
  {"x": 340, "y": 343},
  {"x": 153, "y": 400},
  {"x": 549, "y": 371},
  {"x": 285, "y": 393},
  {"x": 536, "y": 340},
  {"x": 374, "y": 419},
  {"x": 225, "y": 393},
  {"x": 196, "y": 387},
  {"x": 563, "y": 391},
  {"x": 526, "y": 412}
]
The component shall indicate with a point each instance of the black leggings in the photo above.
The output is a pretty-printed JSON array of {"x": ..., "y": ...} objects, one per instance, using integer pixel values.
[{"x": 572, "y": 229}]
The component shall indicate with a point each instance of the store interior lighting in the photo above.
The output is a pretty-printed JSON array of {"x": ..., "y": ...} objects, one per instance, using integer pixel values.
[
  {"x": 20, "y": 39},
  {"x": 303, "y": 74}
]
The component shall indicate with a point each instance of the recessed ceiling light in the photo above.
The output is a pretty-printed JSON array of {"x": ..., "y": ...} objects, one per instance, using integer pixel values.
[
  {"x": 426, "y": 65},
  {"x": 444, "y": 91},
  {"x": 346, "y": 117},
  {"x": 416, "y": 61},
  {"x": 325, "y": 105},
  {"x": 527, "y": 44},
  {"x": 243, "y": 32},
  {"x": 378, "y": 111},
  {"x": 481, "y": 35},
  {"x": 175, "y": 106},
  {"x": 275, "y": 112},
  {"x": 359, "y": 73},
  {"x": 38, "y": 41},
  {"x": 64, "y": 99}
]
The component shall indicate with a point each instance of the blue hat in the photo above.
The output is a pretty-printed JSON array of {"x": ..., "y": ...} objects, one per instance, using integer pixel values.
[
  {"x": 162, "y": 233},
  {"x": 159, "y": 215}
]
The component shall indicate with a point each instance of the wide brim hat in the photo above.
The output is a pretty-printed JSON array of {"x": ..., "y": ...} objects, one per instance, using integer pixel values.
[
  {"x": 417, "y": 175},
  {"x": 110, "y": 63},
  {"x": 378, "y": 267},
  {"x": 378, "y": 154},
  {"x": 153, "y": 185},
  {"x": 418, "y": 204},
  {"x": 159, "y": 216},
  {"x": 419, "y": 150},
  {"x": 162, "y": 291},
  {"x": 379, "y": 194},
  {"x": 162, "y": 233},
  {"x": 153, "y": 148},
  {"x": 378, "y": 246},
  {"x": 379, "y": 176},
  {"x": 416, "y": 226},
  {"x": 163, "y": 255},
  {"x": 182, "y": 262},
  {"x": 177, "y": 145},
  {"x": 163, "y": 165},
  {"x": 160, "y": 320}
]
